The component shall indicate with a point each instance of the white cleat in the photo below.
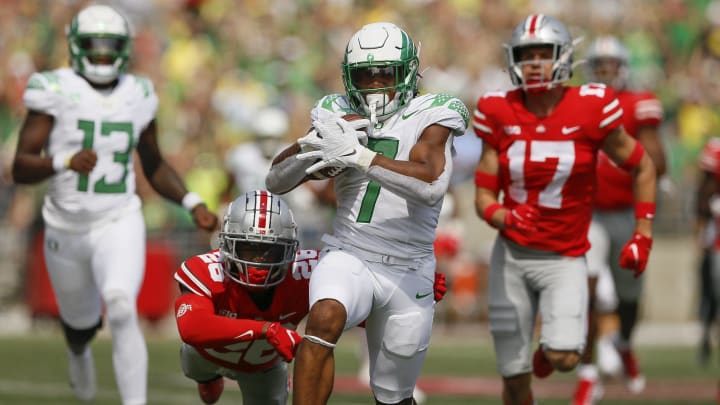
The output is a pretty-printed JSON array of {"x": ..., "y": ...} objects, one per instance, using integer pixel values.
[
  {"x": 419, "y": 396},
  {"x": 82, "y": 375}
]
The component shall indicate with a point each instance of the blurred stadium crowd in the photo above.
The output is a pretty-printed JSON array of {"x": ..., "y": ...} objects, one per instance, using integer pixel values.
[{"x": 218, "y": 64}]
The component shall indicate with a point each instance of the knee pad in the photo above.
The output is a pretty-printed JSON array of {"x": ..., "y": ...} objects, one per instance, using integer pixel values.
[
  {"x": 120, "y": 308},
  {"x": 77, "y": 339},
  {"x": 407, "y": 334}
]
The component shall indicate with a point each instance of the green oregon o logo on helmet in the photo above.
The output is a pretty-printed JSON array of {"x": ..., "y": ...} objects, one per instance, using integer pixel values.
[
  {"x": 382, "y": 46},
  {"x": 99, "y": 43}
]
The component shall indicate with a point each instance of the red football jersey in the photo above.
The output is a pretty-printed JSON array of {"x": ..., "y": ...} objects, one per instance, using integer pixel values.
[
  {"x": 549, "y": 162},
  {"x": 204, "y": 275},
  {"x": 710, "y": 162},
  {"x": 615, "y": 185}
]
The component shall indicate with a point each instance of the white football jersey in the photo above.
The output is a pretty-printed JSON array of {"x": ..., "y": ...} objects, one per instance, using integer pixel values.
[
  {"x": 371, "y": 217},
  {"x": 109, "y": 123}
]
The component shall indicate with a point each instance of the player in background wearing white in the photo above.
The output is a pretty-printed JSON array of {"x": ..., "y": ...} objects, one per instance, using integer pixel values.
[
  {"x": 540, "y": 143},
  {"x": 379, "y": 263},
  {"x": 249, "y": 162},
  {"x": 608, "y": 62},
  {"x": 80, "y": 131}
]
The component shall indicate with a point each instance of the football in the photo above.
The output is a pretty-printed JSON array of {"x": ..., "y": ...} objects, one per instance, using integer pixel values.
[{"x": 330, "y": 172}]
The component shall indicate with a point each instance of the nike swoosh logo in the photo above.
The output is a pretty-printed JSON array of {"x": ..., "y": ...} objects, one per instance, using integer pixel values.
[
  {"x": 247, "y": 333},
  {"x": 349, "y": 154},
  {"x": 285, "y": 316},
  {"x": 406, "y": 116},
  {"x": 421, "y": 296},
  {"x": 566, "y": 130}
]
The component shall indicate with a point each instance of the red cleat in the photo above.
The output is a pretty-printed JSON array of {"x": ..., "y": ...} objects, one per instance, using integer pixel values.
[
  {"x": 541, "y": 366},
  {"x": 210, "y": 391},
  {"x": 587, "y": 392}
]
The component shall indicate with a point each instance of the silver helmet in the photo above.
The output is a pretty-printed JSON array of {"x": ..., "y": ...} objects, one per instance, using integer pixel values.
[
  {"x": 380, "y": 48},
  {"x": 539, "y": 30},
  {"x": 608, "y": 48},
  {"x": 99, "y": 42},
  {"x": 258, "y": 240}
]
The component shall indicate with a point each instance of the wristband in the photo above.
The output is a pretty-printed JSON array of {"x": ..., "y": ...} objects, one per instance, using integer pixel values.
[
  {"x": 61, "y": 162},
  {"x": 490, "y": 210},
  {"x": 635, "y": 157},
  {"x": 191, "y": 200},
  {"x": 487, "y": 180},
  {"x": 645, "y": 210},
  {"x": 365, "y": 159}
]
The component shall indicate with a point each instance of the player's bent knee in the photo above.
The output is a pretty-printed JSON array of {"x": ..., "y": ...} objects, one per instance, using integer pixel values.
[
  {"x": 120, "y": 309},
  {"x": 406, "y": 334},
  {"x": 563, "y": 360},
  {"x": 77, "y": 339},
  {"x": 326, "y": 320}
]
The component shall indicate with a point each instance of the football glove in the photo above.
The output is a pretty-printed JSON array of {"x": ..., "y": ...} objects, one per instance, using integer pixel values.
[
  {"x": 336, "y": 143},
  {"x": 634, "y": 255},
  {"x": 522, "y": 218},
  {"x": 284, "y": 340},
  {"x": 440, "y": 287}
]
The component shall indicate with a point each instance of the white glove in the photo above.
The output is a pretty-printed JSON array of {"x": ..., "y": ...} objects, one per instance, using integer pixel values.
[{"x": 336, "y": 143}]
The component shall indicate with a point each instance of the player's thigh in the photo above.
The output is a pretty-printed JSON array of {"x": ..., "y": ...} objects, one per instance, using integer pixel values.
[
  {"x": 67, "y": 256},
  {"x": 715, "y": 274},
  {"x": 563, "y": 287},
  {"x": 512, "y": 309},
  {"x": 599, "y": 254},
  {"x": 343, "y": 277},
  {"x": 195, "y": 366},
  {"x": 620, "y": 226},
  {"x": 267, "y": 387},
  {"x": 399, "y": 328},
  {"x": 118, "y": 259}
]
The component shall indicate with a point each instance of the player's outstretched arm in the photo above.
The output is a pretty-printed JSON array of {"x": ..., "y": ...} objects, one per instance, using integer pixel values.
[
  {"x": 166, "y": 181},
  {"x": 286, "y": 172}
]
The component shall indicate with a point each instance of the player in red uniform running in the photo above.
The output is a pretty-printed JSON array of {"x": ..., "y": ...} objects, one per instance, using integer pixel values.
[
  {"x": 612, "y": 224},
  {"x": 540, "y": 143},
  {"x": 241, "y": 303}
]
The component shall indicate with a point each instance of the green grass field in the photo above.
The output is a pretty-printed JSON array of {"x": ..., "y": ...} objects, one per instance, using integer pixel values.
[{"x": 459, "y": 370}]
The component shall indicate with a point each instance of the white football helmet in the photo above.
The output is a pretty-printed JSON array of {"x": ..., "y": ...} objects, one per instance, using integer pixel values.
[
  {"x": 270, "y": 125},
  {"x": 375, "y": 49},
  {"x": 99, "y": 41},
  {"x": 258, "y": 240},
  {"x": 538, "y": 30},
  {"x": 608, "y": 48}
]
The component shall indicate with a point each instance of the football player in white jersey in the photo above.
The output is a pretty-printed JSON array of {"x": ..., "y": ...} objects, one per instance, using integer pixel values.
[
  {"x": 379, "y": 263},
  {"x": 80, "y": 131}
]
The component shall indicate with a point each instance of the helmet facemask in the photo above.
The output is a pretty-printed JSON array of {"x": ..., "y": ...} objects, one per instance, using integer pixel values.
[
  {"x": 384, "y": 51},
  {"x": 99, "y": 44},
  {"x": 258, "y": 240}
]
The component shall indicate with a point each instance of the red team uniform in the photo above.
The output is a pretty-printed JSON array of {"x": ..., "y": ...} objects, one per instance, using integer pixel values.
[
  {"x": 614, "y": 188},
  {"x": 550, "y": 162},
  {"x": 203, "y": 275}
]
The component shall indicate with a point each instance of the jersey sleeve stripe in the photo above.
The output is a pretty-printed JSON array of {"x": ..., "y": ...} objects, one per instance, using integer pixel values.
[
  {"x": 186, "y": 285},
  {"x": 610, "y": 106},
  {"x": 482, "y": 127},
  {"x": 609, "y": 120},
  {"x": 477, "y": 114},
  {"x": 195, "y": 281}
]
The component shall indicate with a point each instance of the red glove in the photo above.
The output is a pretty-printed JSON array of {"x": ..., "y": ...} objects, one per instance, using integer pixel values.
[
  {"x": 284, "y": 340},
  {"x": 634, "y": 255},
  {"x": 439, "y": 287},
  {"x": 522, "y": 218}
]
